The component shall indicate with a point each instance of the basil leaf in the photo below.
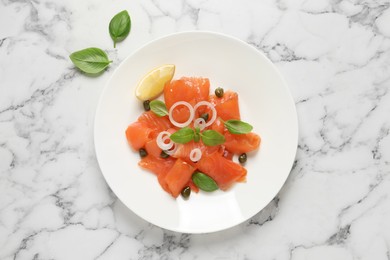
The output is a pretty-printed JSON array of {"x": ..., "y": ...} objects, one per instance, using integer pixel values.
[
  {"x": 158, "y": 107},
  {"x": 120, "y": 26},
  {"x": 238, "y": 127},
  {"x": 204, "y": 182},
  {"x": 183, "y": 135},
  {"x": 211, "y": 138},
  {"x": 90, "y": 60}
]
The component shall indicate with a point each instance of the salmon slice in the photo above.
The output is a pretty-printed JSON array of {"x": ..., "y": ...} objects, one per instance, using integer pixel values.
[
  {"x": 138, "y": 134},
  {"x": 155, "y": 123},
  {"x": 227, "y": 106},
  {"x": 157, "y": 165},
  {"x": 152, "y": 148},
  {"x": 191, "y": 90},
  {"x": 178, "y": 177},
  {"x": 147, "y": 127},
  {"x": 224, "y": 171},
  {"x": 218, "y": 126},
  {"x": 162, "y": 182},
  {"x": 227, "y": 154},
  {"x": 242, "y": 143}
]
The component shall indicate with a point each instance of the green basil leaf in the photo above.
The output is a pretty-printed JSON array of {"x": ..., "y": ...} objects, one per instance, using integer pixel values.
[
  {"x": 204, "y": 182},
  {"x": 90, "y": 60},
  {"x": 183, "y": 135},
  {"x": 238, "y": 127},
  {"x": 120, "y": 26},
  {"x": 158, "y": 107},
  {"x": 211, "y": 138}
]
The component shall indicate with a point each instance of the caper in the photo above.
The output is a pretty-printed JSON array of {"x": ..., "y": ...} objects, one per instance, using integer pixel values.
[
  {"x": 205, "y": 116},
  {"x": 164, "y": 155},
  {"x": 186, "y": 192},
  {"x": 143, "y": 152},
  {"x": 146, "y": 105},
  {"x": 242, "y": 158},
  {"x": 219, "y": 92}
]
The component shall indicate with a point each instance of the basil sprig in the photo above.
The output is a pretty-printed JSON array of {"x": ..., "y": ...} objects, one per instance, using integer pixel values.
[
  {"x": 197, "y": 134},
  {"x": 120, "y": 26},
  {"x": 90, "y": 60},
  {"x": 238, "y": 127},
  {"x": 186, "y": 134},
  {"x": 183, "y": 135},
  {"x": 204, "y": 182},
  {"x": 158, "y": 107}
]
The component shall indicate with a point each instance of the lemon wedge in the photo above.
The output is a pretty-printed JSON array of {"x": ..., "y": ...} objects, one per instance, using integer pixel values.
[{"x": 152, "y": 84}]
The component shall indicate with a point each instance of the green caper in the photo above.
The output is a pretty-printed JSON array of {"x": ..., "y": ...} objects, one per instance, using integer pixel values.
[
  {"x": 242, "y": 158},
  {"x": 146, "y": 105},
  {"x": 219, "y": 92},
  {"x": 143, "y": 152},
  {"x": 205, "y": 116},
  {"x": 186, "y": 192},
  {"x": 164, "y": 155}
]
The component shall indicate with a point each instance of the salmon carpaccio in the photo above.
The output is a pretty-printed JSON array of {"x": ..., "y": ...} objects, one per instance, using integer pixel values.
[{"x": 174, "y": 172}]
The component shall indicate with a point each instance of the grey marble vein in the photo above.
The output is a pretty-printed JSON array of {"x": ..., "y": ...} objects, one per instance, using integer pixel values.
[{"x": 335, "y": 57}]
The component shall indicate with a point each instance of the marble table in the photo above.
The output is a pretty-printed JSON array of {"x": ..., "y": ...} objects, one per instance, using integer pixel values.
[{"x": 335, "y": 56}]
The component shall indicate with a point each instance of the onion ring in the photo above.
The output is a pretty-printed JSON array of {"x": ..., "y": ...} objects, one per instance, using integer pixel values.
[
  {"x": 205, "y": 103},
  {"x": 171, "y": 151},
  {"x": 190, "y": 108},
  {"x": 161, "y": 138},
  {"x": 195, "y": 154},
  {"x": 199, "y": 122}
]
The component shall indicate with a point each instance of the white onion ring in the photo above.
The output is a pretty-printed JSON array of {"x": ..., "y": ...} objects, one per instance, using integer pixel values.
[
  {"x": 161, "y": 138},
  {"x": 166, "y": 137},
  {"x": 199, "y": 122},
  {"x": 170, "y": 151},
  {"x": 205, "y": 103},
  {"x": 195, "y": 154},
  {"x": 190, "y": 108}
]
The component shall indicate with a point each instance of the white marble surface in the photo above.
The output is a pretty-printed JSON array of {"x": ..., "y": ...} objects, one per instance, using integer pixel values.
[{"x": 335, "y": 56}]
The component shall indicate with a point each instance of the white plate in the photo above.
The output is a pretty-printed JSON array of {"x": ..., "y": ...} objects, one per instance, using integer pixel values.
[{"x": 265, "y": 102}]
